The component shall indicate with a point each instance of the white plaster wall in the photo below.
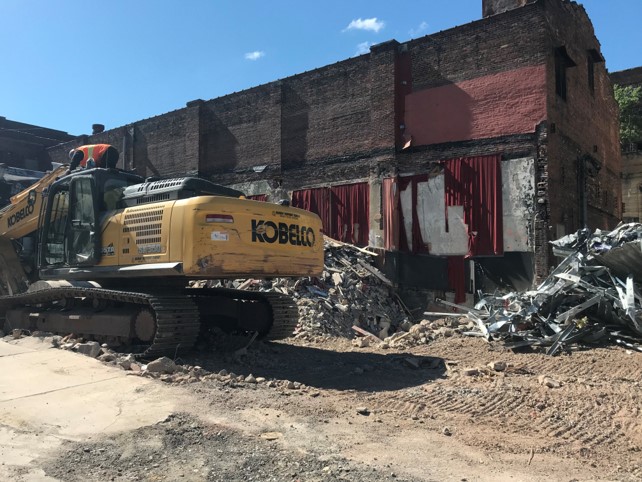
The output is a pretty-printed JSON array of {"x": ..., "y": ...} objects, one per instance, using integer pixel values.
[
  {"x": 375, "y": 233},
  {"x": 518, "y": 197},
  {"x": 405, "y": 198},
  {"x": 431, "y": 209}
]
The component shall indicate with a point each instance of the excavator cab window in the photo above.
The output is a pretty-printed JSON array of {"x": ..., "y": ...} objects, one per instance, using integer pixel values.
[
  {"x": 53, "y": 245},
  {"x": 81, "y": 244},
  {"x": 70, "y": 234}
]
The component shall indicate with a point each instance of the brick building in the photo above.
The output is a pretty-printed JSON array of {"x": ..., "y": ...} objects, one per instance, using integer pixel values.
[
  {"x": 23, "y": 151},
  {"x": 631, "y": 155},
  {"x": 25, "y": 146},
  {"x": 458, "y": 154}
]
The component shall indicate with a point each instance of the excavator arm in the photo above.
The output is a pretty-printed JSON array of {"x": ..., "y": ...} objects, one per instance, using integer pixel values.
[{"x": 18, "y": 219}]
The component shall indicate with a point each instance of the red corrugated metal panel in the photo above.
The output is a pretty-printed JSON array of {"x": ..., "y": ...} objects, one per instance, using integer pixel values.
[
  {"x": 476, "y": 184},
  {"x": 344, "y": 210}
]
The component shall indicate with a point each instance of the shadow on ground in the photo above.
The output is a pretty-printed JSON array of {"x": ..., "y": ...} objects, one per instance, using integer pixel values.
[{"x": 325, "y": 368}]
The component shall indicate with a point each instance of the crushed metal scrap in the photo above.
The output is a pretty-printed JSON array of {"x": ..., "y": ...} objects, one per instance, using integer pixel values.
[{"x": 592, "y": 297}]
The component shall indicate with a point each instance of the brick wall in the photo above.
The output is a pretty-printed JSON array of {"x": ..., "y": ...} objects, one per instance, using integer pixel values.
[
  {"x": 25, "y": 145},
  {"x": 583, "y": 127},
  {"x": 329, "y": 122},
  {"x": 493, "y": 7},
  {"x": 627, "y": 77},
  {"x": 241, "y": 130},
  {"x": 346, "y": 122},
  {"x": 496, "y": 44},
  {"x": 164, "y": 145}
]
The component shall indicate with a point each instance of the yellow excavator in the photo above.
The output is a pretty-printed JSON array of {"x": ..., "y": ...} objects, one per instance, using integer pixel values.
[{"x": 106, "y": 254}]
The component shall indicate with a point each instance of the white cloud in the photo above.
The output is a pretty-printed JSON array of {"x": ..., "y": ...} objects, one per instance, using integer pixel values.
[
  {"x": 364, "y": 48},
  {"x": 371, "y": 24},
  {"x": 256, "y": 55},
  {"x": 415, "y": 32}
]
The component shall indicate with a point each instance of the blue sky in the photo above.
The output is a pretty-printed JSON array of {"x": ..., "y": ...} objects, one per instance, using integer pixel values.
[{"x": 66, "y": 64}]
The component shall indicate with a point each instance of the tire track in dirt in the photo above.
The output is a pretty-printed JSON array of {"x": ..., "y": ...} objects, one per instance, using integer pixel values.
[{"x": 562, "y": 420}]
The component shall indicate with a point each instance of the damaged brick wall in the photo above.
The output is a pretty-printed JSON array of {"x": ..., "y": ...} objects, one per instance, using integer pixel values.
[
  {"x": 351, "y": 122},
  {"x": 327, "y": 121},
  {"x": 25, "y": 145},
  {"x": 480, "y": 80},
  {"x": 241, "y": 131},
  {"x": 583, "y": 145},
  {"x": 165, "y": 145}
]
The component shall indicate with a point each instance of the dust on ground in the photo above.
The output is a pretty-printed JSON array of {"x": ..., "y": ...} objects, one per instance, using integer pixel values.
[{"x": 326, "y": 410}]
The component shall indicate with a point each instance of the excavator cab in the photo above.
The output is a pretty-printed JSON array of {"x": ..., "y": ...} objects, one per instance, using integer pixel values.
[{"x": 75, "y": 207}]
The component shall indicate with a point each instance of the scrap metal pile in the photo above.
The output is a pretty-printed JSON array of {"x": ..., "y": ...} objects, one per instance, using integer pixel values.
[{"x": 591, "y": 297}]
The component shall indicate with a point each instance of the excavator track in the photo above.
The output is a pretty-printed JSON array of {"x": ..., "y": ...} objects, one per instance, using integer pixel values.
[
  {"x": 283, "y": 312},
  {"x": 285, "y": 315},
  {"x": 172, "y": 321}
]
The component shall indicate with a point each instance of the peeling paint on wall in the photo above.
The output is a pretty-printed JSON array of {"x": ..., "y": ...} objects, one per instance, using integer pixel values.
[
  {"x": 518, "y": 195},
  {"x": 432, "y": 219},
  {"x": 405, "y": 197}
]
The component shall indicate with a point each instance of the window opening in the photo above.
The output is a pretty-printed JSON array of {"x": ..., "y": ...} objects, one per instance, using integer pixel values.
[{"x": 562, "y": 62}]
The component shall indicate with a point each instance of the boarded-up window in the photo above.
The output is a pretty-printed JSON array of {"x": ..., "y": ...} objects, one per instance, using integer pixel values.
[{"x": 344, "y": 210}]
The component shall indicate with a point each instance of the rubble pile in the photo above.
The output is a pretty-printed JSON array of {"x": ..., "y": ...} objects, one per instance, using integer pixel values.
[
  {"x": 591, "y": 297},
  {"x": 350, "y": 292}
]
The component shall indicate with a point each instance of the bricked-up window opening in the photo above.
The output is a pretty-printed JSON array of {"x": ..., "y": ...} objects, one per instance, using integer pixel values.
[
  {"x": 593, "y": 57},
  {"x": 562, "y": 62}
]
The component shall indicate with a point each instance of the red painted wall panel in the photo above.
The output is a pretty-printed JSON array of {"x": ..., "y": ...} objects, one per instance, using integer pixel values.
[{"x": 512, "y": 102}]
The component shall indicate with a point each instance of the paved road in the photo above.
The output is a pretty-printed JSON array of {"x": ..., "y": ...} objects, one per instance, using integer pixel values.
[{"x": 49, "y": 395}]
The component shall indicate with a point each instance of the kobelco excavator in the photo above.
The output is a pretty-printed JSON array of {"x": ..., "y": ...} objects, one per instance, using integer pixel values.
[{"x": 104, "y": 253}]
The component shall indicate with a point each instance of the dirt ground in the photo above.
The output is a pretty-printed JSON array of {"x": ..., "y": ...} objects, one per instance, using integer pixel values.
[{"x": 368, "y": 414}]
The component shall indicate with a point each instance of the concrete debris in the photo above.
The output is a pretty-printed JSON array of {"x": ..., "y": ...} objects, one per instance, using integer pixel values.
[
  {"x": 91, "y": 348},
  {"x": 107, "y": 357},
  {"x": 593, "y": 297},
  {"x": 363, "y": 411},
  {"x": 497, "y": 366},
  {"x": 361, "y": 342},
  {"x": 548, "y": 381},
  {"x": 162, "y": 365},
  {"x": 350, "y": 291},
  {"x": 412, "y": 362}
]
